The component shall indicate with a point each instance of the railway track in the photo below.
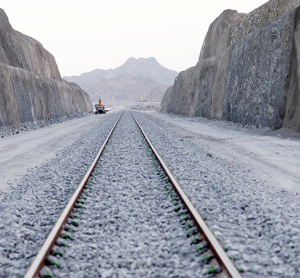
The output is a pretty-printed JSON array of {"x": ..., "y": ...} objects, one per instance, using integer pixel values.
[{"x": 86, "y": 202}]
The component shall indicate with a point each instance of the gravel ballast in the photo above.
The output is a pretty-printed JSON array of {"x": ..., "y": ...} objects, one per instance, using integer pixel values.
[
  {"x": 29, "y": 210},
  {"x": 128, "y": 226},
  {"x": 259, "y": 228},
  {"x": 142, "y": 237}
]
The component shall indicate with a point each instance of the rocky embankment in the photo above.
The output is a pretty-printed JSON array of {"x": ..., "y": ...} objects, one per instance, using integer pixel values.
[
  {"x": 247, "y": 70},
  {"x": 31, "y": 86}
]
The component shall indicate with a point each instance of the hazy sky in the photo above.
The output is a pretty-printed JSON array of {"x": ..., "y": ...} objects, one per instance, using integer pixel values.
[{"x": 90, "y": 34}]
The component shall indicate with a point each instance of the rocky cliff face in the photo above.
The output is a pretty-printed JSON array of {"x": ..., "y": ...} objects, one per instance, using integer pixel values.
[
  {"x": 31, "y": 87},
  {"x": 247, "y": 70}
]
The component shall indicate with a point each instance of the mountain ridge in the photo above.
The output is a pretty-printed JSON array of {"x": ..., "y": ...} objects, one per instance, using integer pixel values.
[
  {"x": 146, "y": 67},
  {"x": 140, "y": 70}
]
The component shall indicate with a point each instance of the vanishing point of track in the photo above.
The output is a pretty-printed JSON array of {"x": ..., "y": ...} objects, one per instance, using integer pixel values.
[{"x": 228, "y": 269}]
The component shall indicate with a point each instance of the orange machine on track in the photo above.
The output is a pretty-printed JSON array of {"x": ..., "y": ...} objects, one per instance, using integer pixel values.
[{"x": 99, "y": 108}]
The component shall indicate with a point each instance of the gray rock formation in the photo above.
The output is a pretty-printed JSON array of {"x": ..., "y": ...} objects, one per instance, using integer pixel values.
[
  {"x": 31, "y": 87},
  {"x": 247, "y": 70},
  {"x": 127, "y": 88}
]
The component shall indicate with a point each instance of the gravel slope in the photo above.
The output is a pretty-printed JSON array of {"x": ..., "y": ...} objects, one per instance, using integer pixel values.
[
  {"x": 128, "y": 227},
  {"x": 259, "y": 229},
  {"x": 29, "y": 210}
]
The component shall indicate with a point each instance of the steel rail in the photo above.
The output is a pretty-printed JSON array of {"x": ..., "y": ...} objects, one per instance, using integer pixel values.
[
  {"x": 218, "y": 251},
  {"x": 39, "y": 261}
]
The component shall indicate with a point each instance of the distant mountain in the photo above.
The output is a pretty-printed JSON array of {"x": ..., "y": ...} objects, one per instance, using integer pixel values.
[
  {"x": 127, "y": 88},
  {"x": 156, "y": 94},
  {"x": 145, "y": 67}
]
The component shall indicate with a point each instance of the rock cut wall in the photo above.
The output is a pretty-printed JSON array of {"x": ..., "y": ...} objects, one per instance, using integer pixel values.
[
  {"x": 31, "y": 87},
  {"x": 247, "y": 70}
]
